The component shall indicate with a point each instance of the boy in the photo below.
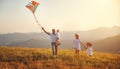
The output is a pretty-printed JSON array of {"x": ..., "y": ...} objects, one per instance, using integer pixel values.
[{"x": 57, "y": 43}]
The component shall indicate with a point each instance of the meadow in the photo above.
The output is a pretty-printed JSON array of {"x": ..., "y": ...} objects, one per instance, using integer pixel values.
[{"x": 41, "y": 58}]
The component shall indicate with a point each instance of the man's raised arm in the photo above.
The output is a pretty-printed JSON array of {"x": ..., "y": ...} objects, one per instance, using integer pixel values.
[{"x": 45, "y": 31}]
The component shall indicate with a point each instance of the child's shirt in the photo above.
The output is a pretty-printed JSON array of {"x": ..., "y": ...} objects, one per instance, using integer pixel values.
[
  {"x": 58, "y": 35},
  {"x": 89, "y": 51},
  {"x": 58, "y": 39}
]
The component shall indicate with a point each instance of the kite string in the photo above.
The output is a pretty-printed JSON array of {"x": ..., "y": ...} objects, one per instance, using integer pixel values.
[
  {"x": 39, "y": 26},
  {"x": 37, "y": 20}
]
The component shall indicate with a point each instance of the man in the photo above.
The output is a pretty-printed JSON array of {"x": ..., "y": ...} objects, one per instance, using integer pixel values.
[{"x": 54, "y": 38}]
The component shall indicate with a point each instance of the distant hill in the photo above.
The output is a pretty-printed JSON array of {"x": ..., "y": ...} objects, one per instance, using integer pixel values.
[
  {"x": 42, "y": 40},
  {"x": 101, "y": 33},
  {"x": 14, "y": 38},
  {"x": 111, "y": 44},
  {"x": 36, "y": 43}
]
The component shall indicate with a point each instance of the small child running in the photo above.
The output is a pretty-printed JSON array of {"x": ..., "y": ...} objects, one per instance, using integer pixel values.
[{"x": 89, "y": 48}]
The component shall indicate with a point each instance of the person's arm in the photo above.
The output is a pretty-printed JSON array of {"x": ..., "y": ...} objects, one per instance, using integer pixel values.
[
  {"x": 73, "y": 44},
  {"x": 83, "y": 45},
  {"x": 45, "y": 31}
]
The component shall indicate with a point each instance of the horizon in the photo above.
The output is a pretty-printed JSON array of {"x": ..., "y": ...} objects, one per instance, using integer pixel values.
[
  {"x": 60, "y": 30},
  {"x": 66, "y": 15}
]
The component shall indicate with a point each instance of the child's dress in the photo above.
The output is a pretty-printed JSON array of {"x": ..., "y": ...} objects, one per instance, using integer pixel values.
[
  {"x": 89, "y": 51},
  {"x": 77, "y": 44}
]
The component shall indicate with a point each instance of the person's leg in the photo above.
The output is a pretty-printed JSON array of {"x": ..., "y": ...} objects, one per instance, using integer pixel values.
[
  {"x": 78, "y": 52},
  {"x": 75, "y": 51},
  {"x": 55, "y": 50}
]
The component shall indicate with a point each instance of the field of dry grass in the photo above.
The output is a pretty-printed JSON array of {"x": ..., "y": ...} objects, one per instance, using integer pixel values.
[{"x": 40, "y": 58}]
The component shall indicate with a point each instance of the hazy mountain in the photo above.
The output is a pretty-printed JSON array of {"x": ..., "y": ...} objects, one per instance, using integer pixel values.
[
  {"x": 100, "y": 33},
  {"x": 37, "y": 43},
  {"x": 111, "y": 44},
  {"x": 8, "y": 39},
  {"x": 43, "y": 40}
]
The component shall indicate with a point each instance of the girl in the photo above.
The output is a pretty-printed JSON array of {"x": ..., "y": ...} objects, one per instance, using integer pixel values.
[
  {"x": 89, "y": 48},
  {"x": 77, "y": 45}
]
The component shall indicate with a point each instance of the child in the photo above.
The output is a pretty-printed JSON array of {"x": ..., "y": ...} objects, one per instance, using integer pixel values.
[
  {"x": 58, "y": 34},
  {"x": 57, "y": 39},
  {"x": 89, "y": 48},
  {"x": 77, "y": 46}
]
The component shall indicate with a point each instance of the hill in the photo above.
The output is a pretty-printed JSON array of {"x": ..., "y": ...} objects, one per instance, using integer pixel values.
[
  {"x": 111, "y": 44},
  {"x": 37, "y": 58},
  {"x": 90, "y": 35},
  {"x": 36, "y": 43},
  {"x": 103, "y": 32},
  {"x": 41, "y": 40}
]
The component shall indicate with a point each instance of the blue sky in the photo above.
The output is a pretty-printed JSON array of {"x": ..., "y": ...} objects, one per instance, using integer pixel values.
[{"x": 66, "y": 15}]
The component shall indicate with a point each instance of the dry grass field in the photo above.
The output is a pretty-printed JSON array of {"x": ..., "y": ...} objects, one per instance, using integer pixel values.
[{"x": 41, "y": 58}]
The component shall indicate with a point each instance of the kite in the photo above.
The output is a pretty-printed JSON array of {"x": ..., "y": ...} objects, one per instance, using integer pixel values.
[{"x": 32, "y": 6}]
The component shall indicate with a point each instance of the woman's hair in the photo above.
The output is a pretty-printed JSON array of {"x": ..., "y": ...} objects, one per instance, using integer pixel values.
[{"x": 88, "y": 44}]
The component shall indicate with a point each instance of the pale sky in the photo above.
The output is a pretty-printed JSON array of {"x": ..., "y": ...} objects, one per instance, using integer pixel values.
[{"x": 66, "y": 15}]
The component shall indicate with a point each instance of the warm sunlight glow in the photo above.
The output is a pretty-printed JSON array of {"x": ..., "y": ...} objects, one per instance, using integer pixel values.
[{"x": 66, "y": 15}]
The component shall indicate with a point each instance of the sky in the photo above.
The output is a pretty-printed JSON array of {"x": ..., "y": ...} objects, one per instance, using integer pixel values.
[{"x": 66, "y": 15}]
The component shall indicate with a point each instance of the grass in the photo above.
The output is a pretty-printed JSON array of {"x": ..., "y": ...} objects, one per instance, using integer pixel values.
[{"x": 40, "y": 58}]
